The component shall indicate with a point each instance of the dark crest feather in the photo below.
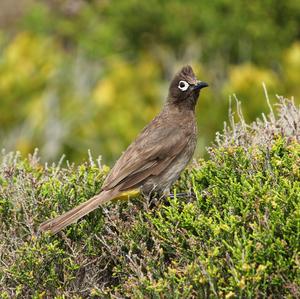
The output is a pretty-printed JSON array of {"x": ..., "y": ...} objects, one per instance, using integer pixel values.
[{"x": 187, "y": 71}]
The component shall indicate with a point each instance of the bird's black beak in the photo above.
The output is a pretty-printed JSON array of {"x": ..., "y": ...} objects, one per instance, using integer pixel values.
[{"x": 199, "y": 85}]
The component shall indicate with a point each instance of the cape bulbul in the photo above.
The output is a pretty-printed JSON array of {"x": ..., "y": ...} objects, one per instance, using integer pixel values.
[{"x": 157, "y": 156}]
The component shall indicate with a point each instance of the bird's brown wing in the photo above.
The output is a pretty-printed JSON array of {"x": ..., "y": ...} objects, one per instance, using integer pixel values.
[{"x": 148, "y": 155}]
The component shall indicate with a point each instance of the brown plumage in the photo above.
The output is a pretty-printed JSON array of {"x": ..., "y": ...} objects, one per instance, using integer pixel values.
[{"x": 157, "y": 156}]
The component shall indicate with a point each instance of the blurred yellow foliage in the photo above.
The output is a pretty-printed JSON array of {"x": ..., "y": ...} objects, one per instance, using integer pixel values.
[
  {"x": 63, "y": 104},
  {"x": 247, "y": 76},
  {"x": 27, "y": 59},
  {"x": 246, "y": 82},
  {"x": 291, "y": 66},
  {"x": 127, "y": 98},
  {"x": 128, "y": 81},
  {"x": 27, "y": 64}
]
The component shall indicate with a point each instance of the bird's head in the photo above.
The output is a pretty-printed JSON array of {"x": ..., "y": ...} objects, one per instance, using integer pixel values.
[{"x": 185, "y": 87}]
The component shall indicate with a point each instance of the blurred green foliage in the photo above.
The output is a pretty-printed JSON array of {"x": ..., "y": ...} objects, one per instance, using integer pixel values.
[{"x": 90, "y": 74}]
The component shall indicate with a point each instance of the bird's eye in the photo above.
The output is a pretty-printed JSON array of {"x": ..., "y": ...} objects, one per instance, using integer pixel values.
[{"x": 183, "y": 85}]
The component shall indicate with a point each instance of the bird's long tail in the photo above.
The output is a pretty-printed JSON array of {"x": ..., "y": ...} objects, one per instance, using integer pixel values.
[{"x": 60, "y": 222}]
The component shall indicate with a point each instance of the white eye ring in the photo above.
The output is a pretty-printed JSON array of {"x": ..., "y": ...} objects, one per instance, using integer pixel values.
[{"x": 183, "y": 85}]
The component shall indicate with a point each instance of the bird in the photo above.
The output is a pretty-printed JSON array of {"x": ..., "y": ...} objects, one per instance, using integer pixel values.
[{"x": 155, "y": 159}]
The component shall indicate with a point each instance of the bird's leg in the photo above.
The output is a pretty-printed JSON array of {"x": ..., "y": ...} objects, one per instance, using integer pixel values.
[
  {"x": 181, "y": 195},
  {"x": 167, "y": 194},
  {"x": 178, "y": 195}
]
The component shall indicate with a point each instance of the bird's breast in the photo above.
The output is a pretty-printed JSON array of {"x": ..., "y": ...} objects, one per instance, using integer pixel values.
[{"x": 164, "y": 180}]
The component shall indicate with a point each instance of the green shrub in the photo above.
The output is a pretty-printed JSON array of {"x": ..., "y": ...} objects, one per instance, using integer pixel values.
[{"x": 236, "y": 234}]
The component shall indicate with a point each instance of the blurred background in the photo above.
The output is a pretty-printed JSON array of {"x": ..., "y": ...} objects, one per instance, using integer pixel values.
[{"x": 78, "y": 75}]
